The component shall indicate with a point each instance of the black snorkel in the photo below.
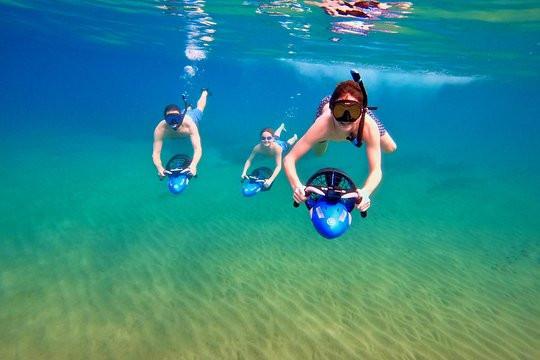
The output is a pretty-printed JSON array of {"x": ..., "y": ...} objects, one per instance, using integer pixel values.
[
  {"x": 356, "y": 77},
  {"x": 186, "y": 106}
]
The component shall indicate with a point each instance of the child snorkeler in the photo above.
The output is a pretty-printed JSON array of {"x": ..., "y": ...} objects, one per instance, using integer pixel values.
[{"x": 270, "y": 145}]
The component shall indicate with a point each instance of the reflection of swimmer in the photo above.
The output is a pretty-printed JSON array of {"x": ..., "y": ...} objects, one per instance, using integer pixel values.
[
  {"x": 363, "y": 9},
  {"x": 270, "y": 145},
  {"x": 344, "y": 116},
  {"x": 339, "y": 8},
  {"x": 177, "y": 123},
  {"x": 351, "y": 27}
]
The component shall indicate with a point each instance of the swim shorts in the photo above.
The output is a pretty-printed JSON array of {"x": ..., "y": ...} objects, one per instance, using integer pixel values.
[
  {"x": 195, "y": 115},
  {"x": 284, "y": 145}
]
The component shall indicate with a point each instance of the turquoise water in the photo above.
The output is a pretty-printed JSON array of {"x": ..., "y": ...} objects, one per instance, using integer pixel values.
[{"x": 99, "y": 260}]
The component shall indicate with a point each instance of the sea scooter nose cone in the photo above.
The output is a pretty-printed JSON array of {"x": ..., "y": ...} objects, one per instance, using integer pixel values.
[
  {"x": 251, "y": 188},
  {"x": 177, "y": 184},
  {"x": 330, "y": 220}
]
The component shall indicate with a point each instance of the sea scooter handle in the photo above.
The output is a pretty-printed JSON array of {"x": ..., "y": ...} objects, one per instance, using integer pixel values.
[
  {"x": 254, "y": 178},
  {"x": 314, "y": 190}
]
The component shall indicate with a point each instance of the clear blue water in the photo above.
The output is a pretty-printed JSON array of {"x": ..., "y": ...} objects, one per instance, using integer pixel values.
[{"x": 99, "y": 260}]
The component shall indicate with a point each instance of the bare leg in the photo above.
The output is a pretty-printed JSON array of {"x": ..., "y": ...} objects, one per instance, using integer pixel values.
[
  {"x": 320, "y": 148},
  {"x": 278, "y": 131},
  {"x": 201, "y": 103},
  {"x": 292, "y": 140},
  {"x": 387, "y": 143}
]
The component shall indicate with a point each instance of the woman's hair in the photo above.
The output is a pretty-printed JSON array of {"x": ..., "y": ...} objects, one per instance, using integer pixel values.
[
  {"x": 347, "y": 87},
  {"x": 270, "y": 130}
]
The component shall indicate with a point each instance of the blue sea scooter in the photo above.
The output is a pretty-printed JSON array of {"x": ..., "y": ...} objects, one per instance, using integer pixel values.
[
  {"x": 255, "y": 181},
  {"x": 332, "y": 196},
  {"x": 179, "y": 176}
]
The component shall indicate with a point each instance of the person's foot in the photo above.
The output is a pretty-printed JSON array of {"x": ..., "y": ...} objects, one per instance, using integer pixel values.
[
  {"x": 292, "y": 140},
  {"x": 277, "y": 132},
  {"x": 207, "y": 91}
]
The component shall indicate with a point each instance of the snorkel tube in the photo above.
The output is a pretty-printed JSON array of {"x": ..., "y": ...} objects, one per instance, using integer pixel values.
[
  {"x": 255, "y": 181},
  {"x": 179, "y": 173},
  {"x": 332, "y": 196},
  {"x": 356, "y": 77}
]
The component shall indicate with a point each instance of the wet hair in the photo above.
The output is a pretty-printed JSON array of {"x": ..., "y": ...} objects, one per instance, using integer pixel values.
[
  {"x": 347, "y": 87},
  {"x": 171, "y": 107},
  {"x": 270, "y": 130}
]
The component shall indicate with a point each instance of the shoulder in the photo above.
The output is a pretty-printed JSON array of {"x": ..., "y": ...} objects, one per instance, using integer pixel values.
[
  {"x": 160, "y": 129},
  {"x": 187, "y": 118},
  {"x": 321, "y": 124},
  {"x": 189, "y": 124},
  {"x": 371, "y": 130}
]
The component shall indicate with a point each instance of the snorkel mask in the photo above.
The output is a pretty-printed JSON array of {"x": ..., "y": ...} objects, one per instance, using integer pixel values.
[
  {"x": 175, "y": 120},
  {"x": 347, "y": 111}
]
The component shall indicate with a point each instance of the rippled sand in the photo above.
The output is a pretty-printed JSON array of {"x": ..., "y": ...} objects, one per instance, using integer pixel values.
[{"x": 212, "y": 275}]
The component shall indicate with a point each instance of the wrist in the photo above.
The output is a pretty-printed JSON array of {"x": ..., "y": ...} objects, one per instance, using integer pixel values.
[{"x": 364, "y": 193}]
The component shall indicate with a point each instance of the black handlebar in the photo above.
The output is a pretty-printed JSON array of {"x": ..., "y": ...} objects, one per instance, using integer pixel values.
[{"x": 362, "y": 213}]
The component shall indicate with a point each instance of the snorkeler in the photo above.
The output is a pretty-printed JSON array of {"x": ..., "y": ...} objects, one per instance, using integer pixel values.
[
  {"x": 343, "y": 116},
  {"x": 270, "y": 145},
  {"x": 177, "y": 123}
]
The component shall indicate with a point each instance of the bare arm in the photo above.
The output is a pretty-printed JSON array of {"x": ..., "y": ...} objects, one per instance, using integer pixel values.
[
  {"x": 277, "y": 169},
  {"x": 247, "y": 164},
  {"x": 197, "y": 148},
  {"x": 373, "y": 153},
  {"x": 316, "y": 133},
  {"x": 156, "y": 151}
]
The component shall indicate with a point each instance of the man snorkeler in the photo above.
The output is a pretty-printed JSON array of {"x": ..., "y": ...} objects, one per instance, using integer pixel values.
[
  {"x": 270, "y": 145},
  {"x": 179, "y": 124},
  {"x": 343, "y": 116}
]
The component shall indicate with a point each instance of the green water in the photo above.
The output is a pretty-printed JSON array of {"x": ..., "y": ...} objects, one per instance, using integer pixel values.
[{"x": 91, "y": 271}]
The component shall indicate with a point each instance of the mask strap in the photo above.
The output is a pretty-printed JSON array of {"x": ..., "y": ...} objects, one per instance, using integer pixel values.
[{"x": 360, "y": 132}]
